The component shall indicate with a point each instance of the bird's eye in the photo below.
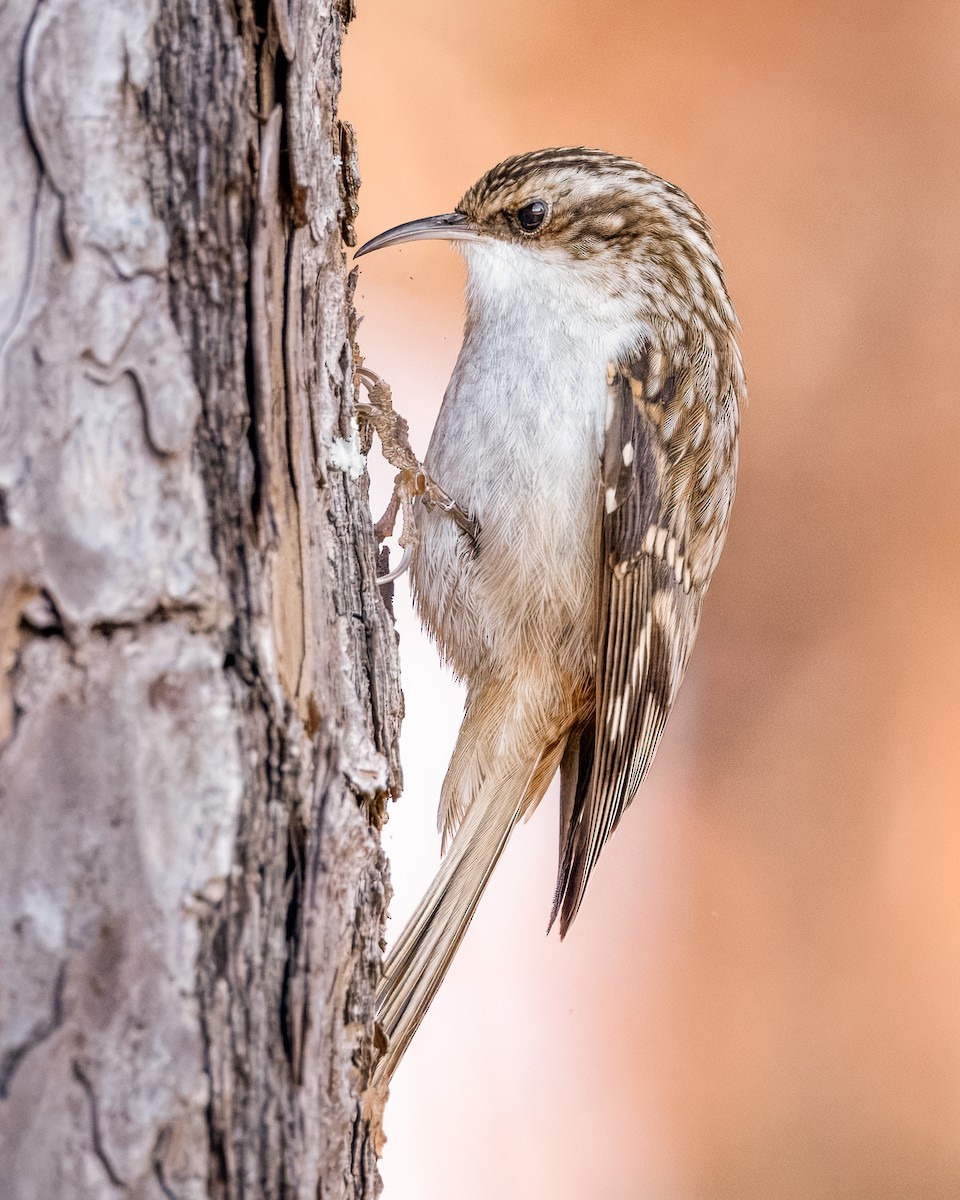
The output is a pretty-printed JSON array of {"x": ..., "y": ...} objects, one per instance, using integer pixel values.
[{"x": 531, "y": 216}]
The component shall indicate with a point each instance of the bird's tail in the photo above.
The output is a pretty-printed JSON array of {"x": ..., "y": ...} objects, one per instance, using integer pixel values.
[{"x": 510, "y": 787}]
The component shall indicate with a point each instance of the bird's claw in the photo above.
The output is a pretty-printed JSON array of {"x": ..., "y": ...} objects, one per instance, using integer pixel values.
[
  {"x": 412, "y": 481},
  {"x": 398, "y": 570},
  {"x": 432, "y": 494}
]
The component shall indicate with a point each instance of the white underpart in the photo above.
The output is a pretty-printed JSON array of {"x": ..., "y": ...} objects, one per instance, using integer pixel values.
[{"x": 518, "y": 443}]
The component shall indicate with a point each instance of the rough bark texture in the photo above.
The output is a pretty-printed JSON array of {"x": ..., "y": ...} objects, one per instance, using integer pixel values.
[{"x": 198, "y": 681}]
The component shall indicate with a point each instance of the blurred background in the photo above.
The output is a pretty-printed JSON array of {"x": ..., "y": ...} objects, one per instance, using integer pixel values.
[{"x": 761, "y": 995}]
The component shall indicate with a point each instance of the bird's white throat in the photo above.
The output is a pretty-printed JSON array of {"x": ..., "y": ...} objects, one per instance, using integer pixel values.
[{"x": 545, "y": 295}]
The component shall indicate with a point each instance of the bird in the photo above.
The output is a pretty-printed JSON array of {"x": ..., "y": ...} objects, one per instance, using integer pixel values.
[{"x": 590, "y": 433}]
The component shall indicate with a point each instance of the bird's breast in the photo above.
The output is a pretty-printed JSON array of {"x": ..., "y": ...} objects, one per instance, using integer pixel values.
[{"x": 518, "y": 444}]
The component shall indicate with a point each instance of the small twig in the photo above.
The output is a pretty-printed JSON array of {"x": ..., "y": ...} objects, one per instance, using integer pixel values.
[{"x": 384, "y": 527}]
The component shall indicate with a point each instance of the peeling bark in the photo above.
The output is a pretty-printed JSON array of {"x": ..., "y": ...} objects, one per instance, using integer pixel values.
[{"x": 199, "y": 696}]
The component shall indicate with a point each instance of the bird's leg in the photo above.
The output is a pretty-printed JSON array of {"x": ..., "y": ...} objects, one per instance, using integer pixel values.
[{"x": 412, "y": 480}]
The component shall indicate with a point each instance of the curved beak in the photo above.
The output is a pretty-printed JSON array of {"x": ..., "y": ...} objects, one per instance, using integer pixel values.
[{"x": 451, "y": 227}]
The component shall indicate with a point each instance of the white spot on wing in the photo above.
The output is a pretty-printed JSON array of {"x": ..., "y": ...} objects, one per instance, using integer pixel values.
[
  {"x": 640, "y": 652},
  {"x": 665, "y": 611},
  {"x": 628, "y": 454},
  {"x": 624, "y": 710},
  {"x": 670, "y": 422},
  {"x": 658, "y": 363},
  {"x": 610, "y": 499}
]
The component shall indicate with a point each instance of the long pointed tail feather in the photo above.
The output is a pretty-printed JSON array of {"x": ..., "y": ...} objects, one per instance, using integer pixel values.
[{"x": 417, "y": 964}]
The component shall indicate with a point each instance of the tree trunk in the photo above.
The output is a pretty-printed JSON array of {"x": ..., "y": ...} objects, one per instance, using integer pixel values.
[{"x": 199, "y": 697}]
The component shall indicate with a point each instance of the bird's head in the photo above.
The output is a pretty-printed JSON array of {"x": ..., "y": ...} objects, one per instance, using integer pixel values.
[{"x": 583, "y": 223}]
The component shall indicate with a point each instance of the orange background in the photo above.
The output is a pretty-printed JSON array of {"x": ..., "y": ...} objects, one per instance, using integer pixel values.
[{"x": 761, "y": 995}]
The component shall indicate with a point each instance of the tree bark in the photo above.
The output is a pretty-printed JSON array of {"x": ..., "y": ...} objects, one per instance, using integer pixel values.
[{"x": 199, "y": 698}]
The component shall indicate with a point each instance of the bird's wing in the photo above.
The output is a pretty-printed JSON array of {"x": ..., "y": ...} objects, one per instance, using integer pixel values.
[{"x": 656, "y": 554}]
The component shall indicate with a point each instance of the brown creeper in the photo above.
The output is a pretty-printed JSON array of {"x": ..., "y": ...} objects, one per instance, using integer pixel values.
[{"x": 590, "y": 432}]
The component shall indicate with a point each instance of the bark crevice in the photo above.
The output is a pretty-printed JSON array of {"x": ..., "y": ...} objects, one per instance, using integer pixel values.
[
  {"x": 45, "y": 1028},
  {"x": 200, "y": 682},
  {"x": 96, "y": 1135}
]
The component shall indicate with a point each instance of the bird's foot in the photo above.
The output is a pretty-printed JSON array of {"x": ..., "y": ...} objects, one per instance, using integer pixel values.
[{"x": 412, "y": 481}]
